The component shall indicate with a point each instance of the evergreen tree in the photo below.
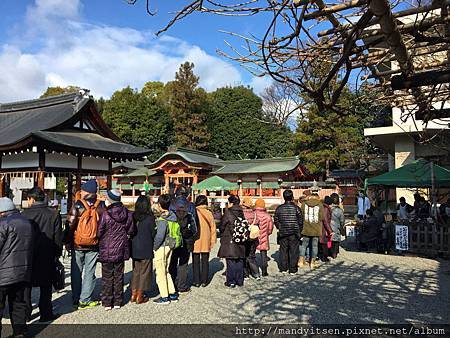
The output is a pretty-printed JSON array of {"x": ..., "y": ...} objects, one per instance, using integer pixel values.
[
  {"x": 139, "y": 120},
  {"x": 188, "y": 108},
  {"x": 237, "y": 127},
  {"x": 327, "y": 140}
]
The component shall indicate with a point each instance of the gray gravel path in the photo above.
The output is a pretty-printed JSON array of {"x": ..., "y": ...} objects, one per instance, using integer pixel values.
[{"x": 355, "y": 288}]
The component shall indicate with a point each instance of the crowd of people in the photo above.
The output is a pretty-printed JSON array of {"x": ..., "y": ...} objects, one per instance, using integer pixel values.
[{"x": 160, "y": 237}]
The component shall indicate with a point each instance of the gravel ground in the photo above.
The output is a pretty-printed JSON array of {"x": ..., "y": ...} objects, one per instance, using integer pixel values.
[{"x": 354, "y": 288}]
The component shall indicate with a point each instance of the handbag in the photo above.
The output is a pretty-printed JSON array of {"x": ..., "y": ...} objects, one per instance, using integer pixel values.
[
  {"x": 59, "y": 276},
  {"x": 254, "y": 230}
]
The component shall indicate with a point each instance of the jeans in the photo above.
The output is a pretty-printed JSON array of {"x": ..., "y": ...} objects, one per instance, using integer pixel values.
[
  {"x": 15, "y": 293},
  {"x": 200, "y": 267},
  {"x": 178, "y": 268},
  {"x": 289, "y": 253},
  {"x": 305, "y": 243},
  {"x": 83, "y": 288}
]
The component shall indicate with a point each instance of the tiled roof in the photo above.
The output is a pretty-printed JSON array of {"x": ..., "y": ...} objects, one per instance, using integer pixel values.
[
  {"x": 191, "y": 156},
  {"x": 267, "y": 165}
]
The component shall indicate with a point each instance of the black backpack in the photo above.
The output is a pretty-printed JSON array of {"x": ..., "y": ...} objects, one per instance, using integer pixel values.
[{"x": 186, "y": 220}]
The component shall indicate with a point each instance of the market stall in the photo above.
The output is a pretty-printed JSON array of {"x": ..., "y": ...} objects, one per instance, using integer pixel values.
[{"x": 417, "y": 234}]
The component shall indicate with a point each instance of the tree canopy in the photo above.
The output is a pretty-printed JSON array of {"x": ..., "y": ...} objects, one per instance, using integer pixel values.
[
  {"x": 139, "y": 119},
  {"x": 187, "y": 104},
  {"x": 238, "y": 129}
]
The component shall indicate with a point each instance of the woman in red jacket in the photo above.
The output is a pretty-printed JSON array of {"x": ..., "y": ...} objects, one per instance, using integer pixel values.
[{"x": 265, "y": 230}]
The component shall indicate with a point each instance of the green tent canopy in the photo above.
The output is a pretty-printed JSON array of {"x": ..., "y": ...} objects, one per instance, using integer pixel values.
[
  {"x": 215, "y": 183},
  {"x": 416, "y": 174}
]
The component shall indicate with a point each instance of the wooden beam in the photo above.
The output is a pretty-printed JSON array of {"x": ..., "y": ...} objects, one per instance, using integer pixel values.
[
  {"x": 428, "y": 78},
  {"x": 400, "y": 14}
]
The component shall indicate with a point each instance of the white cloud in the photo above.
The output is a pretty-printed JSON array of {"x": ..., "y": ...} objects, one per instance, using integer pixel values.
[
  {"x": 98, "y": 57},
  {"x": 260, "y": 83}
]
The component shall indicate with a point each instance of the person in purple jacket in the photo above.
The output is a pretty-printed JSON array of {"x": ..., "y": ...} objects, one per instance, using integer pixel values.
[{"x": 114, "y": 230}]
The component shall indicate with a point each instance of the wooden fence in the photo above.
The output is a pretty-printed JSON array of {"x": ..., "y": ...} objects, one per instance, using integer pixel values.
[{"x": 429, "y": 238}]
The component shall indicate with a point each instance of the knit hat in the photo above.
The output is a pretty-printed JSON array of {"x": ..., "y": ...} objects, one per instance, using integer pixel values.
[
  {"x": 6, "y": 204},
  {"x": 114, "y": 196},
  {"x": 247, "y": 202},
  {"x": 90, "y": 186},
  {"x": 260, "y": 203},
  {"x": 315, "y": 188}
]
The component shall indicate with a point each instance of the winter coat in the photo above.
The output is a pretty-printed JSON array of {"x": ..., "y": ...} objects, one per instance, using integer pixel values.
[
  {"x": 265, "y": 228},
  {"x": 337, "y": 222},
  {"x": 142, "y": 241},
  {"x": 288, "y": 219},
  {"x": 208, "y": 235},
  {"x": 313, "y": 217},
  {"x": 73, "y": 218},
  {"x": 114, "y": 229},
  {"x": 161, "y": 238},
  {"x": 229, "y": 249},
  {"x": 16, "y": 248},
  {"x": 47, "y": 241},
  {"x": 371, "y": 229},
  {"x": 326, "y": 229}
]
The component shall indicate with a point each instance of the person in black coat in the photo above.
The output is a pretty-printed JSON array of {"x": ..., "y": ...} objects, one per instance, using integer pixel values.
[
  {"x": 16, "y": 256},
  {"x": 234, "y": 253},
  {"x": 142, "y": 249},
  {"x": 48, "y": 248},
  {"x": 288, "y": 220}
]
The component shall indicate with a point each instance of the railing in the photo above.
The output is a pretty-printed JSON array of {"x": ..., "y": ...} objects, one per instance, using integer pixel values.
[{"x": 429, "y": 238}]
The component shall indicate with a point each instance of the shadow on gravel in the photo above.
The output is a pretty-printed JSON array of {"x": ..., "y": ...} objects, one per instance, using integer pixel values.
[{"x": 341, "y": 293}]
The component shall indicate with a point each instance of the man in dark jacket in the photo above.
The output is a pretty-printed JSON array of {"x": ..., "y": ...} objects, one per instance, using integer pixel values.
[
  {"x": 16, "y": 255},
  {"x": 187, "y": 218},
  {"x": 289, "y": 222},
  {"x": 47, "y": 248},
  {"x": 84, "y": 257}
]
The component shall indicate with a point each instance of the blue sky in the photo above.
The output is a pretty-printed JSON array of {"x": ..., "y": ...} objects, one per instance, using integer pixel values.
[{"x": 106, "y": 45}]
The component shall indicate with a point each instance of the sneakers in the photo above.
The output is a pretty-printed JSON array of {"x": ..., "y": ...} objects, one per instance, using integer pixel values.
[
  {"x": 117, "y": 307},
  {"x": 162, "y": 301},
  {"x": 173, "y": 297},
  {"x": 108, "y": 308},
  {"x": 229, "y": 285},
  {"x": 88, "y": 305}
]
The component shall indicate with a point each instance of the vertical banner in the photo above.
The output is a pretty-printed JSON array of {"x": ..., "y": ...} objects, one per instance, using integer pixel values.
[{"x": 401, "y": 237}]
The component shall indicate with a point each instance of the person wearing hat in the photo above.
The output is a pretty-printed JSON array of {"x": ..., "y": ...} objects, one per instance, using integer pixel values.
[
  {"x": 265, "y": 230},
  {"x": 313, "y": 211},
  {"x": 83, "y": 220},
  {"x": 115, "y": 228},
  {"x": 16, "y": 256},
  {"x": 251, "y": 267}
]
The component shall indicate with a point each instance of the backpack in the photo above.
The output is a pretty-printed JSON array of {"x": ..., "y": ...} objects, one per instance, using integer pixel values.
[
  {"x": 186, "y": 221},
  {"x": 86, "y": 232},
  {"x": 241, "y": 230},
  {"x": 174, "y": 236}
]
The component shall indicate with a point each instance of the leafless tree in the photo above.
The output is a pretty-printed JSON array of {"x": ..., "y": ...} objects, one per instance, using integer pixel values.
[{"x": 401, "y": 46}]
